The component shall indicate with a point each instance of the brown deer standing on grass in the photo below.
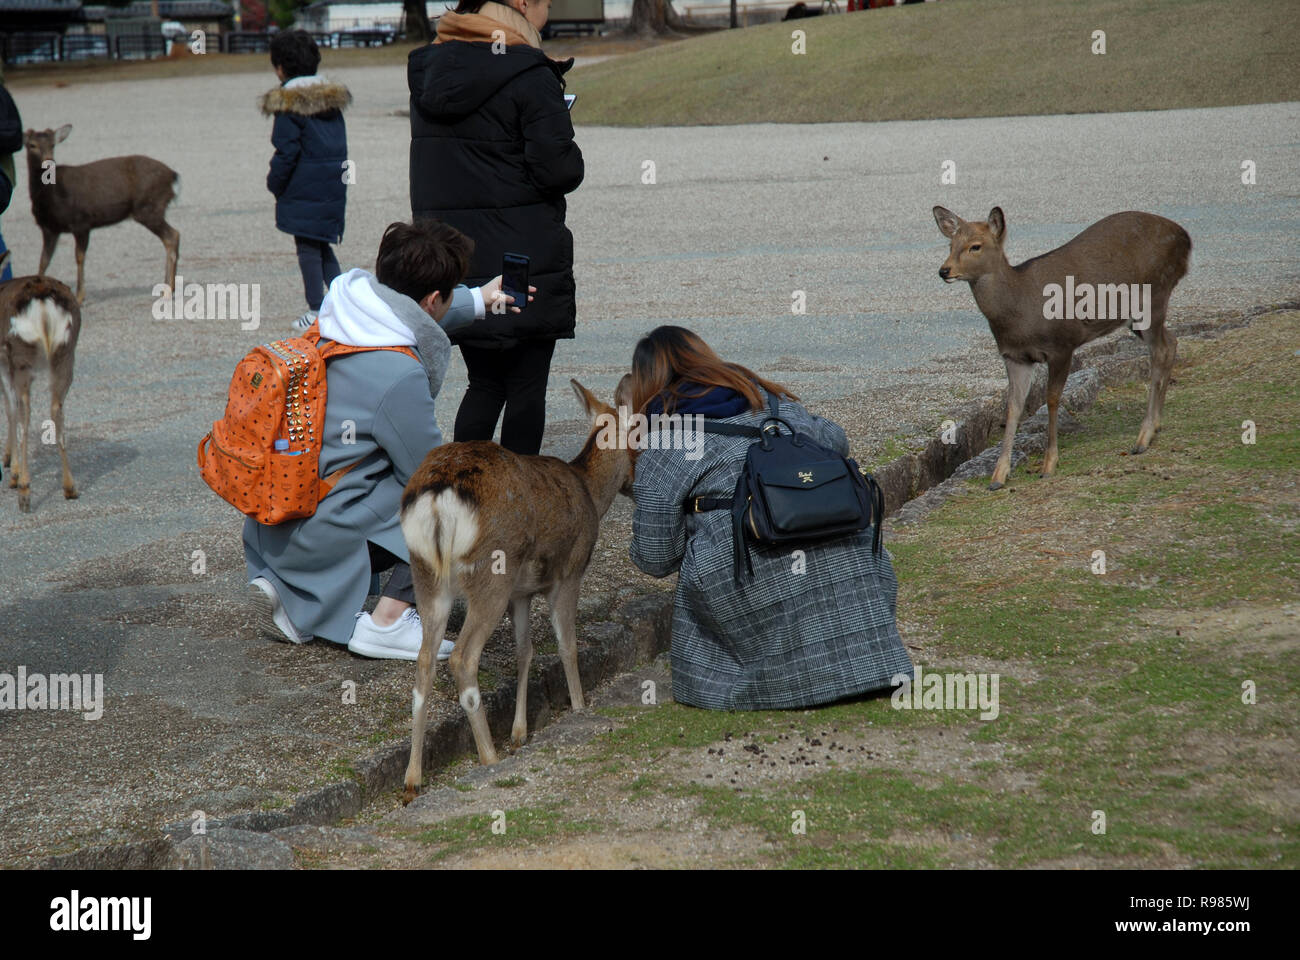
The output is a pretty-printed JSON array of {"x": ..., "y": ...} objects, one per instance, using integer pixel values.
[
  {"x": 1123, "y": 267},
  {"x": 498, "y": 528},
  {"x": 39, "y": 317},
  {"x": 99, "y": 194}
]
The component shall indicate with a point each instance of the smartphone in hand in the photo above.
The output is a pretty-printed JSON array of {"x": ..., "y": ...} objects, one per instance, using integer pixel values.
[{"x": 514, "y": 279}]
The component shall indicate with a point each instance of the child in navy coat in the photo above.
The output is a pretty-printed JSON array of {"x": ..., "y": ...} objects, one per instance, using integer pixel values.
[{"x": 308, "y": 173}]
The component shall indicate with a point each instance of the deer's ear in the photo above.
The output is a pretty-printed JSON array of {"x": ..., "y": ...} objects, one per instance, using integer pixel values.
[
  {"x": 997, "y": 223},
  {"x": 947, "y": 221},
  {"x": 623, "y": 392},
  {"x": 586, "y": 398},
  {"x": 61, "y": 134}
]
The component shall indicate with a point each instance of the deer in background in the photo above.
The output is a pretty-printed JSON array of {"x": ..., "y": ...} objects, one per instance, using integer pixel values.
[
  {"x": 497, "y": 528},
  {"x": 80, "y": 198},
  {"x": 39, "y": 317},
  {"x": 1031, "y": 310}
]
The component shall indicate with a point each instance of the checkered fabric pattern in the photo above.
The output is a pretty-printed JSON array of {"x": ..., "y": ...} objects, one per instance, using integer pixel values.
[{"x": 784, "y": 638}]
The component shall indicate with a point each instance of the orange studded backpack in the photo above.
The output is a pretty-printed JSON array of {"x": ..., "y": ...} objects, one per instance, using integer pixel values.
[{"x": 263, "y": 456}]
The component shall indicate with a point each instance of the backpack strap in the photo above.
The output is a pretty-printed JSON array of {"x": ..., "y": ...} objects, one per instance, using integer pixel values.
[
  {"x": 326, "y": 484},
  {"x": 329, "y": 349}
]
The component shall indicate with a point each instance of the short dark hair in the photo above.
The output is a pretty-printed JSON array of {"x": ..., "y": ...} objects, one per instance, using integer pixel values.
[
  {"x": 296, "y": 51},
  {"x": 420, "y": 258}
]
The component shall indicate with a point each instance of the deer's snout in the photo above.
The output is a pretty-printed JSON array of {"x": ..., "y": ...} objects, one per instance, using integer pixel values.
[{"x": 943, "y": 272}]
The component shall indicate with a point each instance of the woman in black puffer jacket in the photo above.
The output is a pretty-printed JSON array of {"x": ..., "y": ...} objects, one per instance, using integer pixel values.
[{"x": 492, "y": 154}]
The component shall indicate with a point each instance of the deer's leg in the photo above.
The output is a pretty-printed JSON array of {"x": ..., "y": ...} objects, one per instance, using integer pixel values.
[
  {"x": 433, "y": 601},
  {"x": 564, "y": 616},
  {"x": 22, "y": 383},
  {"x": 487, "y": 605},
  {"x": 171, "y": 239},
  {"x": 49, "y": 240},
  {"x": 60, "y": 380},
  {"x": 1163, "y": 349},
  {"x": 6, "y": 388},
  {"x": 1058, "y": 371},
  {"x": 82, "y": 240},
  {"x": 519, "y": 607},
  {"x": 1019, "y": 376}
]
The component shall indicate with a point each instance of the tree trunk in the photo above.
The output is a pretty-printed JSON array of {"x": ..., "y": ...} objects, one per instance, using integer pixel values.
[
  {"x": 654, "y": 16},
  {"x": 417, "y": 20}
]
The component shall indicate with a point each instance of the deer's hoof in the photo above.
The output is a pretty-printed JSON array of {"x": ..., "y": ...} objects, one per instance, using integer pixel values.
[
  {"x": 70, "y": 493},
  {"x": 1138, "y": 448},
  {"x": 25, "y": 502},
  {"x": 409, "y": 794},
  {"x": 995, "y": 485}
]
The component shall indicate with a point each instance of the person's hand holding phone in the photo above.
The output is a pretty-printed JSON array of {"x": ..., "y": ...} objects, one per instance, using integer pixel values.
[{"x": 491, "y": 292}]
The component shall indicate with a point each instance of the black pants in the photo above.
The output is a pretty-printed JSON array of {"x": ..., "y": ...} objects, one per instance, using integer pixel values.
[
  {"x": 514, "y": 378},
  {"x": 400, "y": 586},
  {"x": 319, "y": 267}
]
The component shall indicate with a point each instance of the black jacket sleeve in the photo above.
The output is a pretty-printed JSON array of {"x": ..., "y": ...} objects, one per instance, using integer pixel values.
[
  {"x": 11, "y": 124},
  {"x": 553, "y": 160}
]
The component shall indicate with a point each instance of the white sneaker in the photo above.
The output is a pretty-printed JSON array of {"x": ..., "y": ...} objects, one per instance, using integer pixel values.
[
  {"x": 305, "y": 321},
  {"x": 397, "y": 641},
  {"x": 270, "y": 614}
]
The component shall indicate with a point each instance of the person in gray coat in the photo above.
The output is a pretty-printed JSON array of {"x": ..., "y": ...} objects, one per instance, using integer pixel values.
[
  {"x": 813, "y": 625},
  {"x": 310, "y": 577}
]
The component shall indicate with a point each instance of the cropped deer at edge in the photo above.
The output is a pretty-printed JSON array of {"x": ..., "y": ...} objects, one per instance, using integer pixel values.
[
  {"x": 499, "y": 528},
  {"x": 84, "y": 196},
  {"x": 1130, "y": 251},
  {"x": 39, "y": 318}
]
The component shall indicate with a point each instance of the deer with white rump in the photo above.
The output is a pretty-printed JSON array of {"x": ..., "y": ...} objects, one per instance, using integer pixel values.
[
  {"x": 39, "y": 319},
  {"x": 1122, "y": 269},
  {"x": 498, "y": 528},
  {"x": 77, "y": 199}
]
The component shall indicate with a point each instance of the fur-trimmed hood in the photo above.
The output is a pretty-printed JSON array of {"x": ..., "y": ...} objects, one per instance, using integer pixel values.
[{"x": 306, "y": 96}]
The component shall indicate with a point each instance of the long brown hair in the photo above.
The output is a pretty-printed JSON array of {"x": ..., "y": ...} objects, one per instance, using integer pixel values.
[{"x": 668, "y": 360}]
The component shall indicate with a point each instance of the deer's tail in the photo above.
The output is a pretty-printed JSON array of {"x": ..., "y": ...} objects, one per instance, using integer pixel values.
[{"x": 440, "y": 529}]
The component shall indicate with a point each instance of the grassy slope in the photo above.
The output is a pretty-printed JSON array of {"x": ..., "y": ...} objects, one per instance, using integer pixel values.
[
  {"x": 1122, "y": 693},
  {"x": 213, "y": 62},
  {"x": 959, "y": 58}
]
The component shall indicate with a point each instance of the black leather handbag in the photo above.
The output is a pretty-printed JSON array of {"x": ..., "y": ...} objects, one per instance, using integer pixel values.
[{"x": 793, "y": 490}]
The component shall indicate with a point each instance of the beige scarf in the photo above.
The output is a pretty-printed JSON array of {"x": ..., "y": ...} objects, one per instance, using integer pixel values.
[{"x": 479, "y": 26}]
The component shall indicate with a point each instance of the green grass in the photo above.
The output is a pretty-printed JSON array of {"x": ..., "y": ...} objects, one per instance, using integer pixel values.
[
  {"x": 526, "y": 826},
  {"x": 959, "y": 58}
]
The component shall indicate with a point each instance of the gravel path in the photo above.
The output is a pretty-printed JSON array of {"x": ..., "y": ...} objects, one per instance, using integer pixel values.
[{"x": 200, "y": 712}]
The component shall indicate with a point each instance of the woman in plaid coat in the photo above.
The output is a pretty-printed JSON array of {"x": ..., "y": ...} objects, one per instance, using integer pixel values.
[{"x": 805, "y": 630}]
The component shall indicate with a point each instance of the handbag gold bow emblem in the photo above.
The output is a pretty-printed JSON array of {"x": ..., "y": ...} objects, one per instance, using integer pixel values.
[{"x": 806, "y": 476}]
